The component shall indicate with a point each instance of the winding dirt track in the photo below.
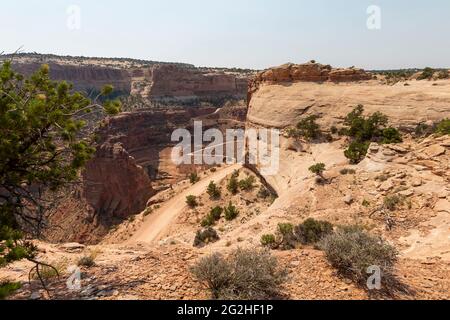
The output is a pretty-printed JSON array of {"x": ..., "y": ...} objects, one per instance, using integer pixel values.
[{"x": 157, "y": 223}]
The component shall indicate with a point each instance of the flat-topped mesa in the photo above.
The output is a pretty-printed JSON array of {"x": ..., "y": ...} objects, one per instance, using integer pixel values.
[
  {"x": 171, "y": 82},
  {"x": 307, "y": 72},
  {"x": 281, "y": 97}
]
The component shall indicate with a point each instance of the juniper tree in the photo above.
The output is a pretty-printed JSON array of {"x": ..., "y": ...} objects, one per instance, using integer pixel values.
[{"x": 45, "y": 140}]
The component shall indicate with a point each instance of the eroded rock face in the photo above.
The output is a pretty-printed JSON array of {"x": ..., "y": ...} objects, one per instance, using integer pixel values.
[
  {"x": 307, "y": 72},
  {"x": 276, "y": 100},
  {"x": 144, "y": 79},
  {"x": 84, "y": 78},
  {"x": 114, "y": 185},
  {"x": 172, "y": 82}
]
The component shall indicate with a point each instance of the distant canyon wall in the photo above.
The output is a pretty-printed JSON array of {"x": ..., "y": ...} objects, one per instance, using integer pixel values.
[
  {"x": 170, "y": 82},
  {"x": 160, "y": 82},
  {"x": 84, "y": 78}
]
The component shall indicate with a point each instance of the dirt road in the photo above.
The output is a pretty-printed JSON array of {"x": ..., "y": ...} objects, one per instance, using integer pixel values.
[{"x": 157, "y": 223}]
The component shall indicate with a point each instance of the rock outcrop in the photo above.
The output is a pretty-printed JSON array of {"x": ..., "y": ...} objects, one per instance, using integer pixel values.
[
  {"x": 182, "y": 84},
  {"x": 307, "y": 72},
  {"x": 84, "y": 78},
  {"x": 276, "y": 100},
  {"x": 114, "y": 185},
  {"x": 151, "y": 81}
]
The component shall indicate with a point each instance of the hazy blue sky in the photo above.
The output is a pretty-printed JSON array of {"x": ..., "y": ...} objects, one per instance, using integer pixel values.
[{"x": 240, "y": 33}]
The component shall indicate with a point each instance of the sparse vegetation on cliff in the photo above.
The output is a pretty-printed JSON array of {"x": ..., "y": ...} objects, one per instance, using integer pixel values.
[
  {"x": 247, "y": 184},
  {"x": 191, "y": 201},
  {"x": 213, "y": 191},
  {"x": 205, "y": 237},
  {"x": 443, "y": 127},
  {"x": 213, "y": 216},
  {"x": 233, "y": 185},
  {"x": 426, "y": 74},
  {"x": 231, "y": 212},
  {"x": 194, "y": 178},
  {"x": 352, "y": 252},
  {"x": 307, "y": 128},
  {"x": 318, "y": 169},
  {"x": 246, "y": 274},
  {"x": 268, "y": 240},
  {"x": 364, "y": 130},
  {"x": 312, "y": 231}
]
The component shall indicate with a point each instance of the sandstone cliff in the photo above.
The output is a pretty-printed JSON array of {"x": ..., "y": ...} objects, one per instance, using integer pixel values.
[
  {"x": 278, "y": 99},
  {"x": 151, "y": 81},
  {"x": 84, "y": 78},
  {"x": 307, "y": 72},
  {"x": 114, "y": 185},
  {"x": 183, "y": 84}
]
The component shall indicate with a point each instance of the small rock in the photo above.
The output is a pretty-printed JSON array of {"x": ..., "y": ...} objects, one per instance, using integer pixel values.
[
  {"x": 442, "y": 206},
  {"x": 407, "y": 193},
  {"x": 443, "y": 194},
  {"x": 417, "y": 183},
  {"x": 420, "y": 168},
  {"x": 348, "y": 199},
  {"x": 434, "y": 151},
  {"x": 374, "y": 148},
  {"x": 73, "y": 246},
  {"x": 397, "y": 148},
  {"x": 386, "y": 186},
  {"x": 295, "y": 263},
  {"x": 35, "y": 296}
]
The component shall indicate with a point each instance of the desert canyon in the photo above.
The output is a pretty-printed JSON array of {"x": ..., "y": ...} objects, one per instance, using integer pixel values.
[{"x": 130, "y": 211}]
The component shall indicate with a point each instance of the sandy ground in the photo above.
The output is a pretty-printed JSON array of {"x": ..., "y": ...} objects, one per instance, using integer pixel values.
[{"x": 154, "y": 227}]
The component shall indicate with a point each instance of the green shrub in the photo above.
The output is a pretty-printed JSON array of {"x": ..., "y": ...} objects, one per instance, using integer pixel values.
[
  {"x": 246, "y": 274},
  {"x": 357, "y": 151},
  {"x": 213, "y": 191},
  {"x": 191, "y": 201},
  {"x": 8, "y": 288},
  {"x": 443, "y": 127},
  {"x": 247, "y": 184},
  {"x": 233, "y": 185},
  {"x": 205, "y": 237},
  {"x": 312, "y": 231},
  {"x": 318, "y": 169},
  {"x": 194, "y": 178},
  {"x": 268, "y": 240},
  {"x": 285, "y": 228},
  {"x": 231, "y": 212},
  {"x": 208, "y": 221},
  {"x": 308, "y": 128},
  {"x": 352, "y": 251},
  {"x": 391, "y": 135},
  {"x": 288, "y": 239},
  {"x": 216, "y": 213},
  {"x": 213, "y": 216},
  {"x": 426, "y": 74},
  {"x": 364, "y": 130}
]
